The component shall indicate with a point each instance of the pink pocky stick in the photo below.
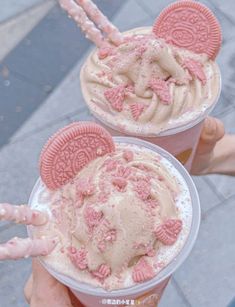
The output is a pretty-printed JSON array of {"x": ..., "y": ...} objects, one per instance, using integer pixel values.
[
  {"x": 101, "y": 21},
  {"x": 22, "y": 215},
  {"x": 87, "y": 26},
  {"x": 17, "y": 248}
]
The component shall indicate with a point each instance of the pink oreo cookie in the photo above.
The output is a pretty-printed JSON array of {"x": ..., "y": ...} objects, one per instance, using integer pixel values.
[
  {"x": 190, "y": 25},
  {"x": 70, "y": 149}
]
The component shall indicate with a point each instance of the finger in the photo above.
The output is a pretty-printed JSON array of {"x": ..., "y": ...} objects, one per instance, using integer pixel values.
[
  {"x": 28, "y": 288},
  {"x": 22, "y": 214},
  {"x": 47, "y": 291},
  {"x": 212, "y": 131},
  {"x": 220, "y": 129},
  {"x": 74, "y": 301}
]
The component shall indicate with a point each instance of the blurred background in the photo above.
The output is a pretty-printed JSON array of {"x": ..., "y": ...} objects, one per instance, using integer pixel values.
[{"x": 41, "y": 52}]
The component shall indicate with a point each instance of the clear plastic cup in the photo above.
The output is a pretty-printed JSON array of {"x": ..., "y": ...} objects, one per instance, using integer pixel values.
[
  {"x": 181, "y": 141},
  {"x": 148, "y": 293}
]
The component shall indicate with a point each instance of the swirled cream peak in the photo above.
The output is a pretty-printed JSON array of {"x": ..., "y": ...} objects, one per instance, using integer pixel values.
[
  {"x": 147, "y": 86},
  {"x": 120, "y": 221}
]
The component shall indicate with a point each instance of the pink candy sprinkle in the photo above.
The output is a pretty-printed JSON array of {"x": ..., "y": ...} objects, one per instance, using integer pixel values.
[
  {"x": 92, "y": 217},
  {"x": 168, "y": 232},
  {"x": 142, "y": 271},
  {"x": 78, "y": 257},
  {"x": 196, "y": 69},
  {"x": 104, "y": 52},
  {"x": 161, "y": 89},
  {"x": 111, "y": 235},
  {"x": 128, "y": 155},
  {"x": 108, "y": 237},
  {"x": 102, "y": 272},
  {"x": 116, "y": 97},
  {"x": 136, "y": 110}
]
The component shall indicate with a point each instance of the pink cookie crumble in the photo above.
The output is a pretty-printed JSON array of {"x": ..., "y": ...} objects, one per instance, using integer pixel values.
[
  {"x": 142, "y": 271},
  {"x": 120, "y": 183},
  {"x": 102, "y": 272},
  {"x": 78, "y": 257},
  {"x": 116, "y": 97},
  {"x": 168, "y": 232},
  {"x": 195, "y": 68},
  {"x": 92, "y": 217},
  {"x": 136, "y": 110},
  {"x": 128, "y": 155},
  {"x": 161, "y": 89},
  {"x": 143, "y": 189}
]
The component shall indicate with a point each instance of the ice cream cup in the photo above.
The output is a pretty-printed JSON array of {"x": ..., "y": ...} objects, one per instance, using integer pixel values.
[
  {"x": 147, "y": 293},
  {"x": 180, "y": 140}
]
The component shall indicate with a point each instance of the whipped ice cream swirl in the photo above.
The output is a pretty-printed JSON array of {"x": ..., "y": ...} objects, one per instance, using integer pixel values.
[
  {"x": 120, "y": 221},
  {"x": 146, "y": 86}
]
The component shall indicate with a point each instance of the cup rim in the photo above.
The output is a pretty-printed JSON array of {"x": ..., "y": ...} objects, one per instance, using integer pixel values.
[{"x": 167, "y": 271}]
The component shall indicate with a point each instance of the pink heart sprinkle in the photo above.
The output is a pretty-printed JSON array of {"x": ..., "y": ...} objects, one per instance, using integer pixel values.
[{"x": 168, "y": 232}]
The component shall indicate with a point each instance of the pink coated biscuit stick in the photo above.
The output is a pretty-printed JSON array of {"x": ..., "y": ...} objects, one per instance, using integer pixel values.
[
  {"x": 17, "y": 248},
  {"x": 87, "y": 26},
  {"x": 22, "y": 248},
  {"x": 22, "y": 214},
  {"x": 101, "y": 21}
]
